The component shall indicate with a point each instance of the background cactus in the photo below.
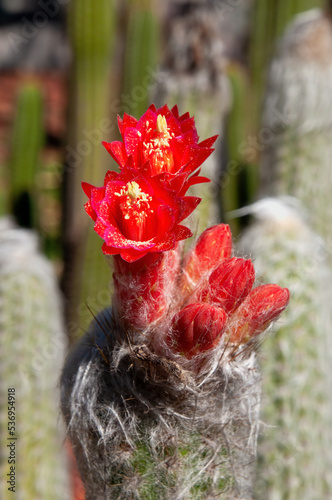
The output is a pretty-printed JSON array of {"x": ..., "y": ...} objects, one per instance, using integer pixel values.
[
  {"x": 295, "y": 454},
  {"x": 269, "y": 21},
  {"x": 141, "y": 55},
  {"x": 91, "y": 28},
  {"x": 24, "y": 162},
  {"x": 298, "y": 109},
  {"x": 193, "y": 77},
  {"x": 32, "y": 345}
]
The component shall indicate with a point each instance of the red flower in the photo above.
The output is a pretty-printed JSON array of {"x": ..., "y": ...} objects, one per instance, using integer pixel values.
[
  {"x": 213, "y": 247},
  {"x": 229, "y": 284},
  {"x": 136, "y": 215},
  {"x": 196, "y": 328},
  {"x": 162, "y": 141},
  {"x": 263, "y": 305}
]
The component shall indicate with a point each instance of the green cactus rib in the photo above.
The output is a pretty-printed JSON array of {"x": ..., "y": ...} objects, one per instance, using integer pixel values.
[
  {"x": 31, "y": 354},
  {"x": 295, "y": 450},
  {"x": 27, "y": 141},
  {"x": 141, "y": 54},
  {"x": 92, "y": 31}
]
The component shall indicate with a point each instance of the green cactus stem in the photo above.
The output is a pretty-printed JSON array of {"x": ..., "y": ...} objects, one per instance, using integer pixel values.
[
  {"x": 295, "y": 452},
  {"x": 32, "y": 345},
  {"x": 91, "y": 30},
  {"x": 141, "y": 55},
  {"x": 27, "y": 142}
]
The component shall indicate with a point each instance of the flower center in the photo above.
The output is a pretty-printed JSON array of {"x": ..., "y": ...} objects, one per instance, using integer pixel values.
[
  {"x": 158, "y": 149},
  {"x": 135, "y": 210}
]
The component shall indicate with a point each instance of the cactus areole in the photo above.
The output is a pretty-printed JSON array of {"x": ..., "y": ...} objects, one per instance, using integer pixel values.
[{"x": 138, "y": 213}]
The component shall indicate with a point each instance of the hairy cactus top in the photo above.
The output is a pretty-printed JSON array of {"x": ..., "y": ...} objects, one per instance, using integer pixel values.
[{"x": 138, "y": 213}]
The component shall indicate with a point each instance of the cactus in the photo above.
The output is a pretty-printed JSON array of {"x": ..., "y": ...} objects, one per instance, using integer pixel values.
[
  {"x": 268, "y": 22},
  {"x": 297, "y": 159},
  {"x": 91, "y": 30},
  {"x": 141, "y": 51},
  {"x": 239, "y": 181},
  {"x": 295, "y": 452},
  {"x": 143, "y": 427},
  {"x": 32, "y": 344},
  {"x": 27, "y": 141},
  {"x": 193, "y": 77}
]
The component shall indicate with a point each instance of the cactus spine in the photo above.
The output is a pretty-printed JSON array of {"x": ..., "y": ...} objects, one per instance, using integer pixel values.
[
  {"x": 27, "y": 141},
  {"x": 32, "y": 343},
  {"x": 295, "y": 453}
]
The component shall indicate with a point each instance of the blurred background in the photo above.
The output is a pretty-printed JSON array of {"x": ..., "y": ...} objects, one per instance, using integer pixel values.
[{"x": 248, "y": 70}]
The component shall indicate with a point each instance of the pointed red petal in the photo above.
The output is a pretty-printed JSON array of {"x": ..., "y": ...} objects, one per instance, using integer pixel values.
[
  {"x": 89, "y": 210},
  {"x": 116, "y": 150},
  {"x": 87, "y": 188},
  {"x": 175, "y": 111},
  {"x": 182, "y": 232},
  {"x": 208, "y": 143}
]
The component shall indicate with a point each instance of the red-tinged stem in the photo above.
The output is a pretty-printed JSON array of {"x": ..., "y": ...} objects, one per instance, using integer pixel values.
[{"x": 143, "y": 289}]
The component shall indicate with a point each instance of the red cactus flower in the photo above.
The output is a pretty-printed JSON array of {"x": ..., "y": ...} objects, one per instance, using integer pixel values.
[
  {"x": 136, "y": 215},
  {"x": 263, "y": 305},
  {"x": 162, "y": 141},
  {"x": 196, "y": 328},
  {"x": 229, "y": 284},
  {"x": 212, "y": 248}
]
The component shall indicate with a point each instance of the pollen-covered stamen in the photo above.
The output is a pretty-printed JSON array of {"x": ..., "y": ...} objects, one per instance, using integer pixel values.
[
  {"x": 135, "y": 210},
  {"x": 158, "y": 148}
]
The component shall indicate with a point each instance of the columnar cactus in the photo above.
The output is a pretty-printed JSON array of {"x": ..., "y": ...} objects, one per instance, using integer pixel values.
[
  {"x": 193, "y": 77},
  {"x": 141, "y": 54},
  {"x": 91, "y": 31},
  {"x": 269, "y": 21},
  {"x": 161, "y": 397},
  {"x": 32, "y": 344},
  {"x": 297, "y": 119},
  {"x": 28, "y": 136},
  {"x": 295, "y": 452}
]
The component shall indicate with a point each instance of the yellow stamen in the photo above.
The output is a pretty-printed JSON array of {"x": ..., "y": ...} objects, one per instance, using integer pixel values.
[
  {"x": 162, "y": 124},
  {"x": 133, "y": 190}
]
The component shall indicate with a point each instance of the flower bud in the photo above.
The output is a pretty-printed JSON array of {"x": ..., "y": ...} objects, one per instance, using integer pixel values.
[
  {"x": 229, "y": 284},
  {"x": 197, "y": 328},
  {"x": 263, "y": 305},
  {"x": 212, "y": 247}
]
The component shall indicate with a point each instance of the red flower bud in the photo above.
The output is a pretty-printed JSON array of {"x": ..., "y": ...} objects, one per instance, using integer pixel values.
[
  {"x": 263, "y": 305},
  {"x": 197, "y": 328},
  {"x": 229, "y": 284},
  {"x": 212, "y": 247}
]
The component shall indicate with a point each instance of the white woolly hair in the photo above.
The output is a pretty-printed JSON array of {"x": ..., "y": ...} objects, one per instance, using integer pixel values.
[{"x": 147, "y": 426}]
